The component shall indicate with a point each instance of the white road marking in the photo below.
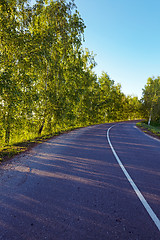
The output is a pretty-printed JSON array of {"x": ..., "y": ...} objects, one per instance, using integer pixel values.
[{"x": 135, "y": 188}]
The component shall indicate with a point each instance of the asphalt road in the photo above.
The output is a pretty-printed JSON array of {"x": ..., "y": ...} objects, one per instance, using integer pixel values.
[{"x": 72, "y": 187}]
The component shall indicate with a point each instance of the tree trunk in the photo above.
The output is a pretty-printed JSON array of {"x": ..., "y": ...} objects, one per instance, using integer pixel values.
[
  {"x": 41, "y": 128},
  {"x": 7, "y": 127},
  {"x": 149, "y": 120},
  {"x": 7, "y": 134}
]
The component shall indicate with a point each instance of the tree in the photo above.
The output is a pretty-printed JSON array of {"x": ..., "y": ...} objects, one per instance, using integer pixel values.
[
  {"x": 151, "y": 100},
  {"x": 110, "y": 104},
  {"x": 11, "y": 38},
  {"x": 56, "y": 31},
  {"x": 131, "y": 108}
]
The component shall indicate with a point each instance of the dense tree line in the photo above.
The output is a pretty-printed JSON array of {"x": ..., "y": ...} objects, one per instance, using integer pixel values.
[{"x": 47, "y": 80}]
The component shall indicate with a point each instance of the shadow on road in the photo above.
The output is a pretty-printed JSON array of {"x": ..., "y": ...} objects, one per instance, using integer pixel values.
[{"x": 72, "y": 188}]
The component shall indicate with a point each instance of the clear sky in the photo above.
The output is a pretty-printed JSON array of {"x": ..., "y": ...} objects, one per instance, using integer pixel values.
[{"x": 125, "y": 36}]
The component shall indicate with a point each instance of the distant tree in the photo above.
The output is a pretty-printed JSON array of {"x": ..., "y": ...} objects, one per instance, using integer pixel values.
[
  {"x": 110, "y": 98},
  {"x": 131, "y": 108}
]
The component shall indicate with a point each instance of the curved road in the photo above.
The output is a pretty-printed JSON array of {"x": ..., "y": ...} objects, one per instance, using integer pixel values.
[{"x": 73, "y": 188}]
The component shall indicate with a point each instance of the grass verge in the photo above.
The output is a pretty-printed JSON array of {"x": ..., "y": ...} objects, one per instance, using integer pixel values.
[
  {"x": 152, "y": 130},
  {"x": 9, "y": 151}
]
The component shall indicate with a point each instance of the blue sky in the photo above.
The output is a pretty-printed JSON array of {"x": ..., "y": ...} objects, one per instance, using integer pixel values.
[{"x": 125, "y": 36}]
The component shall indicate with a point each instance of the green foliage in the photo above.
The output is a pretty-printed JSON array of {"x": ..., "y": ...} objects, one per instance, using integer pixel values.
[
  {"x": 132, "y": 108},
  {"x": 47, "y": 83},
  {"x": 155, "y": 128},
  {"x": 151, "y": 100}
]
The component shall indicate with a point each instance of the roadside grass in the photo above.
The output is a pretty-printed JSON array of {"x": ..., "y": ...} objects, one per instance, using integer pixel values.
[
  {"x": 9, "y": 151},
  {"x": 14, "y": 148},
  {"x": 153, "y": 129}
]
